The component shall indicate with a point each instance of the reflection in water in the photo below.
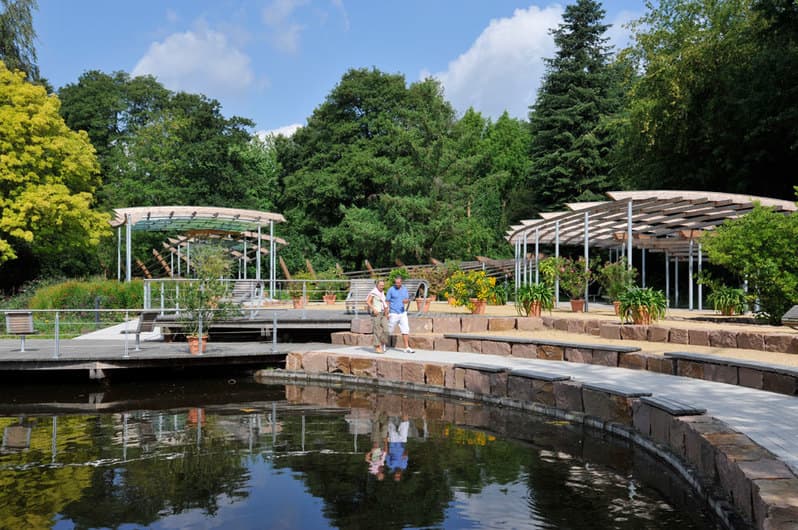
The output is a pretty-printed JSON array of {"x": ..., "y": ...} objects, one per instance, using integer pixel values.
[{"x": 313, "y": 457}]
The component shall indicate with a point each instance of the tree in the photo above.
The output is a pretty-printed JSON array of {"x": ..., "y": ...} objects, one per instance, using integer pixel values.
[
  {"x": 17, "y": 36},
  {"x": 48, "y": 175},
  {"x": 569, "y": 148}
]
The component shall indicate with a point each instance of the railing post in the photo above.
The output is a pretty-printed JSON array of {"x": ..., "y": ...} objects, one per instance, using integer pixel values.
[
  {"x": 199, "y": 334},
  {"x": 126, "y": 354},
  {"x": 274, "y": 332},
  {"x": 57, "y": 351},
  {"x": 163, "y": 286}
]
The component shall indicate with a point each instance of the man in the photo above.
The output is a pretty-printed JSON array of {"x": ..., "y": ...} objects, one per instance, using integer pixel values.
[
  {"x": 398, "y": 300},
  {"x": 396, "y": 455},
  {"x": 379, "y": 316}
]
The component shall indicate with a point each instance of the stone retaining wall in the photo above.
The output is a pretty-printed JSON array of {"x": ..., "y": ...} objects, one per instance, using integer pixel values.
[{"x": 760, "y": 488}]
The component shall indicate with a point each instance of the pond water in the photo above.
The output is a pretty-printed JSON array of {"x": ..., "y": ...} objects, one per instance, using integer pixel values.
[{"x": 237, "y": 454}]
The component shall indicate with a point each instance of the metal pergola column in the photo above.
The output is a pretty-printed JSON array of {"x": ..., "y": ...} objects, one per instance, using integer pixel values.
[
  {"x": 587, "y": 257},
  {"x": 690, "y": 276},
  {"x": 557, "y": 255}
]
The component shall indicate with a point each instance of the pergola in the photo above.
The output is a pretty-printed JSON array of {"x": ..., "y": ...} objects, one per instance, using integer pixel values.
[
  {"x": 199, "y": 221},
  {"x": 665, "y": 221}
]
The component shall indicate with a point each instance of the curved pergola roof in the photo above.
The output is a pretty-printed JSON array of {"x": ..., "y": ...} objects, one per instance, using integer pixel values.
[
  {"x": 193, "y": 219},
  {"x": 662, "y": 220}
]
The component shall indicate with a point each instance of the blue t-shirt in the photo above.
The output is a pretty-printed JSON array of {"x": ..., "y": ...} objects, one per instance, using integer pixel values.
[
  {"x": 396, "y": 458},
  {"x": 396, "y": 298}
]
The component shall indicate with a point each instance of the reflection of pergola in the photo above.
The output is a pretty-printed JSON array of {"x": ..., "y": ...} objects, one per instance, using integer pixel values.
[
  {"x": 199, "y": 221},
  {"x": 664, "y": 221}
]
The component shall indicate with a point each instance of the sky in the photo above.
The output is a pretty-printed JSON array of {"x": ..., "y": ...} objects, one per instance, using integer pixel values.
[{"x": 274, "y": 61}]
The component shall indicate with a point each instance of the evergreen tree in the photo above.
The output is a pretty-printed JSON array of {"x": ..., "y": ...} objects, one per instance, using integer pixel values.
[{"x": 570, "y": 145}]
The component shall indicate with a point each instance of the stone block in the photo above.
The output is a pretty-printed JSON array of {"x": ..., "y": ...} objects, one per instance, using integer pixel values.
[
  {"x": 529, "y": 323},
  {"x": 391, "y": 404},
  {"x": 422, "y": 342},
  {"x": 781, "y": 383},
  {"x": 446, "y": 324},
  {"x": 750, "y": 377},
  {"x": 548, "y": 321},
  {"x": 363, "y": 340},
  {"x": 560, "y": 324},
  {"x": 433, "y": 410},
  {"x": 720, "y": 373},
  {"x": 632, "y": 360},
  {"x": 660, "y": 426},
  {"x": 338, "y": 364},
  {"x": 606, "y": 406},
  {"x": 498, "y": 384},
  {"x": 676, "y": 434},
  {"x": 579, "y": 355},
  {"x": 363, "y": 367},
  {"x": 473, "y": 324},
  {"x": 317, "y": 395},
  {"x": 293, "y": 393},
  {"x": 389, "y": 369},
  {"x": 779, "y": 342},
  {"x": 551, "y": 353},
  {"x": 434, "y": 375},
  {"x": 494, "y": 347},
  {"x": 698, "y": 450},
  {"x": 750, "y": 340},
  {"x": 568, "y": 396},
  {"x": 690, "y": 369},
  {"x": 526, "y": 351},
  {"x": 641, "y": 417},
  {"x": 477, "y": 382},
  {"x": 520, "y": 388},
  {"x": 605, "y": 357},
  {"x": 698, "y": 337},
  {"x": 420, "y": 324},
  {"x": 575, "y": 325},
  {"x": 678, "y": 336},
  {"x": 314, "y": 362},
  {"x": 293, "y": 362},
  {"x": 658, "y": 333},
  {"x": 720, "y": 338},
  {"x": 348, "y": 337},
  {"x": 543, "y": 392},
  {"x": 501, "y": 323},
  {"x": 593, "y": 326},
  {"x": 361, "y": 325},
  {"x": 633, "y": 332},
  {"x": 660, "y": 364},
  {"x": 610, "y": 331},
  {"x": 734, "y": 484},
  {"x": 469, "y": 345},
  {"x": 459, "y": 379},
  {"x": 444, "y": 344},
  {"x": 775, "y": 503},
  {"x": 338, "y": 337},
  {"x": 413, "y": 372},
  {"x": 413, "y": 408},
  {"x": 448, "y": 375}
]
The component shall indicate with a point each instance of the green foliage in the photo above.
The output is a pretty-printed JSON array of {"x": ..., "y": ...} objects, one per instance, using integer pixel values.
[
  {"x": 300, "y": 284},
  {"x": 463, "y": 286},
  {"x": 206, "y": 299},
  {"x": 642, "y": 305},
  {"x": 501, "y": 293},
  {"x": 727, "y": 300},
  {"x": 396, "y": 273},
  {"x": 530, "y": 293},
  {"x": 81, "y": 294},
  {"x": 760, "y": 247},
  {"x": 17, "y": 36},
  {"x": 574, "y": 276},
  {"x": 616, "y": 277},
  {"x": 334, "y": 282},
  {"x": 434, "y": 276}
]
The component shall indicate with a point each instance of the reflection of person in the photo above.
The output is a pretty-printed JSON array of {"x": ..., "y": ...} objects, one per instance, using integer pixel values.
[
  {"x": 396, "y": 457},
  {"x": 376, "y": 460},
  {"x": 379, "y": 319},
  {"x": 398, "y": 299}
]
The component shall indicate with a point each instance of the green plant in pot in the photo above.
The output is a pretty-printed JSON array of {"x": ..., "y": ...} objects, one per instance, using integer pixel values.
[
  {"x": 574, "y": 276},
  {"x": 616, "y": 278},
  {"x": 330, "y": 282},
  {"x": 531, "y": 299},
  {"x": 642, "y": 305},
  {"x": 299, "y": 288},
  {"x": 727, "y": 300},
  {"x": 472, "y": 289}
]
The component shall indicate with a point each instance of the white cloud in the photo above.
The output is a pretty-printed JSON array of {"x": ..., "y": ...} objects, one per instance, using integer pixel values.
[
  {"x": 503, "y": 68},
  {"x": 286, "y": 130},
  {"x": 621, "y": 37},
  {"x": 198, "y": 61},
  {"x": 339, "y": 5},
  {"x": 284, "y": 33}
]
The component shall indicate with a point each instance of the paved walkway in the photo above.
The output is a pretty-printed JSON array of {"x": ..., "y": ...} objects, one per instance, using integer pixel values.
[{"x": 770, "y": 419}]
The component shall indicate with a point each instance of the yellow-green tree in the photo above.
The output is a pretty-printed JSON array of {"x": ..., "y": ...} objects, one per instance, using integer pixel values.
[{"x": 48, "y": 175}]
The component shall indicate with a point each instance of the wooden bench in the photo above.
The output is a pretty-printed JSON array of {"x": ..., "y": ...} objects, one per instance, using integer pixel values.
[
  {"x": 790, "y": 318},
  {"x": 753, "y": 374},
  {"x": 359, "y": 289},
  {"x": 245, "y": 291},
  {"x": 146, "y": 325},
  {"x": 20, "y": 323}
]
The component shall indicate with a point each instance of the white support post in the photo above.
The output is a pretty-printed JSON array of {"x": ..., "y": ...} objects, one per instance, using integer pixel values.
[
  {"x": 172, "y": 264},
  {"x": 119, "y": 253},
  {"x": 272, "y": 260},
  {"x": 516, "y": 264},
  {"x": 700, "y": 287},
  {"x": 667, "y": 278},
  {"x": 676, "y": 281},
  {"x": 245, "y": 257},
  {"x": 179, "y": 265},
  {"x": 587, "y": 256},
  {"x": 128, "y": 251},
  {"x": 537, "y": 255},
  {"x": 526, "y": 260},
  {"x": 257, "y": 257},
  {"x": 557, "y": 255},
  {"x": 629, "y": 234},
  {"x": 188, "y": 259},
  {"x": 690, "y": 276},
  {"x": 643, "y": 266}
]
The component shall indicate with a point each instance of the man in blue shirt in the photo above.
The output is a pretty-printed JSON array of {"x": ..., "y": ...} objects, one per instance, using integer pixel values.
[{"x": 398, "y": 299}]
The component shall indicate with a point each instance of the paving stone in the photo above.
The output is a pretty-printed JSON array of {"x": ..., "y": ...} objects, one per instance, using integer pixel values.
[
  {"x": 548, "y": 321},
  {"x": 633, "y": 332},
  {"x": 678, "y": 336},
  {"x": 314, "y": 362},
  {"x": 723, "y": 339},
  {"x": 473, "y": 324},
  {"x": 527, "y": 351},
  {"x": 605, "y": 357},
  {"x": 659, "y": 364},
  {"x": 568, "y": 396},
  {"x": 293, "y": 362},
  {"x": 361, "y": 325},
  {"x": 363, "y": 367},
  {"x": 610, "y": 331},
  {"x": 422, "y": 342},
  {"x": 446, "y": 324},
  {"x": 779, "y": 342},
  {"x": 434, "y": 375},
  {"x": 529, "y": 323},
  {"x": 575, "y": 325},
  {"x": 608, "y": 407},
  {"x": 520, "y": 388},
  {"x": 781, "y": 383},
  {"x": 750, "y": 377},
  {"x": 551, "y": 353},
  {"x": 501, "y": 323},
  {"x": 776, "y": 500},
  {"x": 750, "y": 340},
  {"x": 579, "y": 355},
  {"x": 720, "y": 373},
  {"x": 444, "y": 344},
  {"x": 494, "y": 347},
  {"x": 658, "y": 334},
  {"x": 690, "y": 369},
  {"x": 413, "y": 372},
  {"x": 338, "y": 364},
  {"x": 476, "y": 381},
  {"x": 698, "y": 337},
  {"x": 469, "y": 345},
  {"x": 389, "y": 369},
  {"x": 767, "y": 467},
  {"x": 420, "y": 324},
  {"x": 632, "y": 360},
  {"x": 560, "y": 324}
]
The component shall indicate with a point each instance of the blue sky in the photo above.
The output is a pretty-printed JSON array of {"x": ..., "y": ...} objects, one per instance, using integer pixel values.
[{"x": 274, "y": 61}]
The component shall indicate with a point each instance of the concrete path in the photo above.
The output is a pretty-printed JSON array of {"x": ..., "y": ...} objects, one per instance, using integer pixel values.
[{"x": 770, "y": 419}]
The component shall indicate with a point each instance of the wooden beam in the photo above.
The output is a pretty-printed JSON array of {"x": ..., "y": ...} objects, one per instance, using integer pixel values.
[
  {"x": 162, "y": 262},
  {"x": 285, "y": 268}
]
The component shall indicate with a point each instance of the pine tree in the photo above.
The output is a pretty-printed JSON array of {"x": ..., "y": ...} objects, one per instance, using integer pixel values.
[{"x": 571, "y": 143}]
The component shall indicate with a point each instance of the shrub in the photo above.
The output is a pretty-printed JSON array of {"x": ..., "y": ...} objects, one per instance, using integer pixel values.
[
  {"x": 463, "y": 286},
  {"x": 573, "y": 274},
  {"x": 527, "y": 295},
  {"x": 73, "y": 294},
  {"x": 616, "y": 277},
  {"x": 642, "y": 305}
]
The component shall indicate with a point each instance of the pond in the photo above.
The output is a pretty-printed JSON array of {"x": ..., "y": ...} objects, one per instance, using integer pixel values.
[{"x": 237, "y": 454}]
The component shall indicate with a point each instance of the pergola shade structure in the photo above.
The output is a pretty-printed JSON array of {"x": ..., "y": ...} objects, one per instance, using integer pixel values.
[
  {"x": 201, "y": 221},
  {"x": 665, "y": 221}
]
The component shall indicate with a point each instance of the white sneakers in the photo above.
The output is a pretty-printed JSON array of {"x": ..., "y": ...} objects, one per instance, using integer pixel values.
[{"x": 410, "y": 350}]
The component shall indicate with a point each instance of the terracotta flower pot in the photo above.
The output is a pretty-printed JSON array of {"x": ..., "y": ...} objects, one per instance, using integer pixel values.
[
  {"x": 193, "y": 344},
  {"x": 578, "y": 305},
  {"x": 299, "y": 303},
  {"x": 423, "y": 305},
  {"x": 616, "y": 304},
  {"x": 641, "y": 316},
  {"x": 329, "y": 299},
  {"x": 478, "y": 306},
  {"x": 534, "y": 309}
]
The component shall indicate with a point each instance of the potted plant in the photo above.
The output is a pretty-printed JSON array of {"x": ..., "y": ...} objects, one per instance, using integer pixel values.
[
  {"x": 205, "y": 299},
  {"x": 472, "y": 289},
  {"x": 531, "y": 299},
  {"x": 573, "y": 275},
  {"x": 727, "y": 300},
  {"x": 298, "y": 289},
  {"x": 330, "y": 282},
  {"x": 642, "y": 305},
  {"x": 616, "y": 278}
]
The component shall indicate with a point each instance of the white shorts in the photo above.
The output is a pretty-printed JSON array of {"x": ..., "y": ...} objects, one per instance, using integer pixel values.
[{"x": 401, "y": 318}]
